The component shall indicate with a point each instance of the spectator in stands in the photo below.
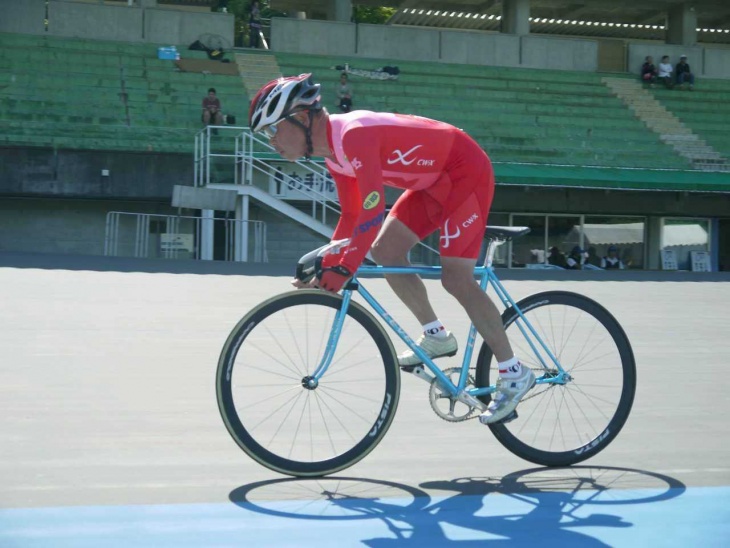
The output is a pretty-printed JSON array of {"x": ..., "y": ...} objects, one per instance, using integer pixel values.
[
  {"x": 212, "y": 110},
  {"x": 576, "y": 259},
  {"x": 665, "y": 72},
  {"x": 254, "y": 25},
  {"x": 556, "y": 258},
  {"x": 344, "y": 93},
  {"x": 593, "y": 258},
  {"x": 611, "y": 261},
  {"x": 684, "y": 73},
  {"x": 648, "y": 71}
]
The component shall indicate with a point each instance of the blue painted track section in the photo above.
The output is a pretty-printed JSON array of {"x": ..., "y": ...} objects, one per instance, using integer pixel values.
[{"x": 682, "y": 517}]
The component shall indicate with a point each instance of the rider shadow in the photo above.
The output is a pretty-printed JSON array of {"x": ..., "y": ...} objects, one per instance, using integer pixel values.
[{"x": 546, "y": 506}]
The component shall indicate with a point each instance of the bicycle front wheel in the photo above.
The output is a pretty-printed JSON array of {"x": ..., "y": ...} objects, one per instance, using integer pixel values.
[
  {"x": 562, "y": 424},
  {"x": 272, "y": 409}
]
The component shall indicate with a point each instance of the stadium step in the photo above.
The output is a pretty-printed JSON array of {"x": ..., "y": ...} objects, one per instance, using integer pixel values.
[
  {"x": 670, "y": 129},
  {"x": 256, "y": 70}
]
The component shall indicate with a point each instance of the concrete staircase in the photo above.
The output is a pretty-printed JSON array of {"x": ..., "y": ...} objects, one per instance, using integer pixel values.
[
  {"x": 256, "y": 69},
  {"x": 670, "y": 129}
]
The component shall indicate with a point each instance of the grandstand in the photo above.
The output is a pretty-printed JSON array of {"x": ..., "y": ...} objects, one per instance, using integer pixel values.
[
  {"x": 97, "y": 95},
  {"x": 517, "y": 115},
  {"x": 561, "y": 140}
]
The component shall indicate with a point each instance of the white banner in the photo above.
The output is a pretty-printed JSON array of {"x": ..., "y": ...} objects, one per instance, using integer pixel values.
[
  {"x": 176, "y": 242},
  {"x": 290, "y": 181}
]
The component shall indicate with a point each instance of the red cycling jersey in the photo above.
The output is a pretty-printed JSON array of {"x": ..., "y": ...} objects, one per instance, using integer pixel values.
[{"x": 447, "y": 177}]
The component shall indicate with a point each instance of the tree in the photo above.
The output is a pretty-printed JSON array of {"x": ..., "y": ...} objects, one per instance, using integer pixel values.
[{"x": 374, "y": 16}]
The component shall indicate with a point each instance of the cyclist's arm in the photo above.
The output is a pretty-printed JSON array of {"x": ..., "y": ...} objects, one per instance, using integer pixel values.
[
  {"x": 370, "y": 204},
  {"x": 350, "y": 203}
]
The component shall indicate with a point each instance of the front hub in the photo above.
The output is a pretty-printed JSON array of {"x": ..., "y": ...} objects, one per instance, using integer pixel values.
[{"x": 310, "y": 383}]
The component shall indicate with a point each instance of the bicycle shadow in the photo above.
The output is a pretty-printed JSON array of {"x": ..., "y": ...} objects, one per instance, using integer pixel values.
[{"x": 546, "y": 506}]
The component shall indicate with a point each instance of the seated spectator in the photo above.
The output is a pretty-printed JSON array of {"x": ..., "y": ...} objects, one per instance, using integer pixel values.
[
  {"x": 344, "y": 93},
  {"x": 684, "y": 73},
  {"x": 212, "y": 110},
  {"x": 648, "y": 71},
  {"x": 576, "y": 259},
  {"x": 665, "y": 72},
  {"x": 611, "y": 261},
  {"x": 592, "y": 258},
  {"x": 556, "y": 258}
]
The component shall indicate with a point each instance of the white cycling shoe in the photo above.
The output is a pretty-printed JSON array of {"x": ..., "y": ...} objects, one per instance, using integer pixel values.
[
  {"x": 434, "y": 347},
  {"x": 508, "y": 394}
]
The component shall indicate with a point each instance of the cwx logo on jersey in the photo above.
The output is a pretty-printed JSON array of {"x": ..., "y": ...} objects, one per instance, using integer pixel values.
[
  {"x": 447, "y": 237},
  {"x": 402, "y": 157}
]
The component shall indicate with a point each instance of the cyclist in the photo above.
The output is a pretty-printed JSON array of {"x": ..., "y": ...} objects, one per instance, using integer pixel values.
[{"x": 448, "y": 184}]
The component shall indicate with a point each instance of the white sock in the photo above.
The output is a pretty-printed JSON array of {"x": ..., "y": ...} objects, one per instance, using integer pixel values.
[
  {"x": 435, "y": 329},
  {"x": 510, "y": 369}
]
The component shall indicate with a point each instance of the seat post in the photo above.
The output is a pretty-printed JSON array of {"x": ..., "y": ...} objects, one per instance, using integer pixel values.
[{"x": 494, "y": 243}]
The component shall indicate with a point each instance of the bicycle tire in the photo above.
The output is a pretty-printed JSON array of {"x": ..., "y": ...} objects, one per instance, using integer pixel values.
[
  {"x": 297, "y": 305},
  {"x": 617, "y": 350}
]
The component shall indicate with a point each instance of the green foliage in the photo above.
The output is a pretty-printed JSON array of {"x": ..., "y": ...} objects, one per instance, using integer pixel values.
[{"x": 374, "y": 16}]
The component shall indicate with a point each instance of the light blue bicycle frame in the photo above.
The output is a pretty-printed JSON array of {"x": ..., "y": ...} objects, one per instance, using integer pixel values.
[{"x": 487, "y": 277}]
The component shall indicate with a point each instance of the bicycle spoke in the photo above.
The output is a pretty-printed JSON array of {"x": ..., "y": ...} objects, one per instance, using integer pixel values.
[{"x": 555, "y": 420}]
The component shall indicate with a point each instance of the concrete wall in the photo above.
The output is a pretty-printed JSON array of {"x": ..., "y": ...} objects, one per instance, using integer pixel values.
[
  {"x": 95, "y": 21},
  {"x": 312, "y": 36},
  {"x": 407, "y": 43},
  {"x": 717, "y": 63},
  {"x": 73, "y": 173},
  {"x": 129, "y": 24},
  {"x": 476, "y": 48},
  {"x": 165, "y": 26},
  {"x": 425, "y": 44},
  {"x": 480, "y": 48},
  {"x": 23, "y": 17},
  {"x": 559, "y": 53},
  {"x": 638, "y": 52},
  {"x": 61, "y": 226}
]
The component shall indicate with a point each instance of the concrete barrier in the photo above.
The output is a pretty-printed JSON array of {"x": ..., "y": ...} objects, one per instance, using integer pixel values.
[
  {"x": 95, "y": 21},
  {"x": 559, "y": 53},
  {"x": 165, "y": 26},
  {"x": 716, "y": 63},
  {"x": 23, "y": 17},
  {"x": 479, "y": 48},
  {"x": 384, "y": 41},
  {"x": 315, "y": 37},
  {"x": 132, "y": 24}
]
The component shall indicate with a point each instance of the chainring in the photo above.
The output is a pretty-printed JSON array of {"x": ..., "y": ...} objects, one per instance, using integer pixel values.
[{"x": 448, "y": 407}]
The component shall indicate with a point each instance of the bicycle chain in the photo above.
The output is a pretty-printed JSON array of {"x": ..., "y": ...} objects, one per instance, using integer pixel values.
[{"x": 471, "y": 415}]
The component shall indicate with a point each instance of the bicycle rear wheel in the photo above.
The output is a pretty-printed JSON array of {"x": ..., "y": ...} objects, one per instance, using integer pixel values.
[
  {"x": 281, "y": 420},
  {"x": 562, "y": 424}
]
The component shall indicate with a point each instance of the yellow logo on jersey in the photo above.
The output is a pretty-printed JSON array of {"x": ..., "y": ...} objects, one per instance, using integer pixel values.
[{"x": 372, "y": 200}]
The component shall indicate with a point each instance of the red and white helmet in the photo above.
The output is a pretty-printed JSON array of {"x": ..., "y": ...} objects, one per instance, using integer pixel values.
[{"x": 281, "y": 98}]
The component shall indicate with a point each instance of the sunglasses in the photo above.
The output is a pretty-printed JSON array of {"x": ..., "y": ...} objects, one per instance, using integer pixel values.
[{"x": 271, "y": 130}]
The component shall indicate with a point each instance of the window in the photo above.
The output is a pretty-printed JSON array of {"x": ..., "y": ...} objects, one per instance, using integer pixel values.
[
  {"x": 684, "y": 236},
  {"x": 626, "y": 234}
]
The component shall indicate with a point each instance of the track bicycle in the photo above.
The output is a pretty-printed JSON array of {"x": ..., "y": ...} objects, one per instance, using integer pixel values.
[{"x": 308, "y": 381}]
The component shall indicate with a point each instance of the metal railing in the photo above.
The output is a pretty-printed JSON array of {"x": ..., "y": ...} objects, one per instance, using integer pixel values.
[{"x": 151, "y": 236}]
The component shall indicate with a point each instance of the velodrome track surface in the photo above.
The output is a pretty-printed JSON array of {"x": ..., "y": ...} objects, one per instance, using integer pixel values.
[{"x": 110, "y": 433}]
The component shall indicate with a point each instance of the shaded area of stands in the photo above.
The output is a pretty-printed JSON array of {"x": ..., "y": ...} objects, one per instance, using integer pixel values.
[
  {"x": 83, "y": 94},
  {"x": 517, "y": 115}
]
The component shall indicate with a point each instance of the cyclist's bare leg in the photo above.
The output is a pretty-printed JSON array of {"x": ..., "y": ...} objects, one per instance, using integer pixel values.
[
  {"x": 457, "y": 278},
  {"x": 391, "y": 249}
]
